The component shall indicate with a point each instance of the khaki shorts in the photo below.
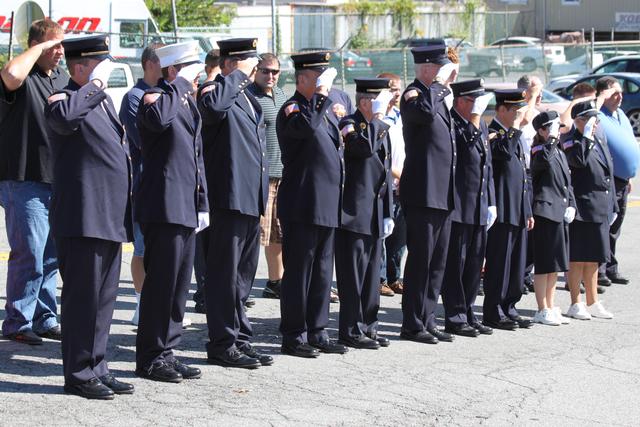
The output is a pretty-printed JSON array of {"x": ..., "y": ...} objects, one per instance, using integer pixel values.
[{"x": 270, "y": 231}]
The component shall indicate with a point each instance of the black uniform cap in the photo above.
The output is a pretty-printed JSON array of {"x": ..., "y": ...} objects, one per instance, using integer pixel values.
[
  {"x": 511, "y": 97},
  {"x": 371, "y": 85},
  {"x": 584, "y": 109},
  {"x": 473, "y": 88},
  {"x": 92, "y": 47},
  {"x": 544, "y": 119},
  {"x": 433, "y": 53},
  {"x": 242, "y": 48},
  {"x": 318, "y": 61}
]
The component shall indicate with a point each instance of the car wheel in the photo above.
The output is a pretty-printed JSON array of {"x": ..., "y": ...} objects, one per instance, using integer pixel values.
[
  {"x": 529, "y": 64},
  {"x": 634, "y": 119}
]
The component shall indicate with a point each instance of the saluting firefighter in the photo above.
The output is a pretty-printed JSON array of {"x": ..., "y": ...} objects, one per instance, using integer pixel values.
[
  {"x": 426, "y": 189},
  {"x": 171, "y": 207},
  {"x": 309, "y": 200},
  {"x": 553, "y": 210},
  {"x": 507, "y": 239},
  {"x": 90, "y": 214},
  {"x": 366, "y": 214},
  {"x": 475, "y": 210},
  {"x": 238, "y": 184}
]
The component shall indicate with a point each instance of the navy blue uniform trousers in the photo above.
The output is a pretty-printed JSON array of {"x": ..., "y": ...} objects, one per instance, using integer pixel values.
[
  {"x": 504, "y": 270},
  {"x": 358, "y": 259},
  {"x": 467, "y": 246},
  {"x": 168, "y": 262},
  {"x": 232, "y": 261},
  {"x": 428, "y": 233},
  {"x": 307, "y": 254},
  {"x": 90, "y": 270}
]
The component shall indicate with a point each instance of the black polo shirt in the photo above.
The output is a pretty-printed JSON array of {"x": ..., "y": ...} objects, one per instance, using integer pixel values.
[{"x": 25, "y": 154}]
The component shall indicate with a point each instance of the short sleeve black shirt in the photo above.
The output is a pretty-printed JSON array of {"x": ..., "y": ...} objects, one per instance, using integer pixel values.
[{"x": 25, "y": 153}]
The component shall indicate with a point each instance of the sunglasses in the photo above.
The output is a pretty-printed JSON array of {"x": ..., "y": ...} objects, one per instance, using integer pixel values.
[{"x": 269, "y": 71}]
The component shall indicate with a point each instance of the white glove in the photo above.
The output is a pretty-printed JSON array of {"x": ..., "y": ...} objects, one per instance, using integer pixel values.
[
  {"x": 590, "y": 127},
  {"x": 613, "y": 218},
  {"x": 492, "y": 215},
  {"x": 444, "y": 73},
  {"x": 326, "y": 78},
  {"x": 569, "y": 213},
  {"x": 554, "y": 130},
  {"x": 190, "y": 72},
  {"x": 380, "y": 104},
  {"x": 102, "y": 72},
  {"x": 448, "y": 101},
  {"x": 388, "y": 225},
  {"x": 203, "y": 221},
  {"x": 480, "y": 104}
]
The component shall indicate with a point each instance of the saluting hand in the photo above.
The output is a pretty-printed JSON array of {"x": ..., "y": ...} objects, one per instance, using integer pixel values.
[
  {"x": 380, "y": 104},
  {"x": 520, "y": 116},
  {"x": 326, "y": 78},
  {"x": 248, "y": 66},
  {"x": 191, "y": 72},
  {"x": 102, "y": 72}
]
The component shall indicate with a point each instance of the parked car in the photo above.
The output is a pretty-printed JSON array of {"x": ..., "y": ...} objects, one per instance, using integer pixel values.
[
  {"x": 529, "y": 52},
  {"x": 618, "y": 64},
  {"x": 355, "y": 66},
  {"x": 630, "y": 83},
  {"x": 550, "y": 101}
]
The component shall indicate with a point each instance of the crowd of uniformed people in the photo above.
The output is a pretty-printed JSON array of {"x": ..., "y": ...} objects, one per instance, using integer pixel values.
[{"x": 206, "y": 172}]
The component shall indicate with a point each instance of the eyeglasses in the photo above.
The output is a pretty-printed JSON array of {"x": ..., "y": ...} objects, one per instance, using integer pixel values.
[{"x": 269, "y": 71}]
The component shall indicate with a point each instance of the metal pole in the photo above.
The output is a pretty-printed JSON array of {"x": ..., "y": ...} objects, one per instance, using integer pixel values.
[
  {"x": 593, "y": 45},
  {"x": 174, "y": 15},
  {"x": 274, "y": 32},
  {"x": 11, "y": 39},
  {"x": 50, "y": 8}
]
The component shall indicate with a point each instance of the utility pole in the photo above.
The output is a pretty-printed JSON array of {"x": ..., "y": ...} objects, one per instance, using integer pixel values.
[
  {"x": 175, "y": 20},
  {"x": 274, "y": 26}
]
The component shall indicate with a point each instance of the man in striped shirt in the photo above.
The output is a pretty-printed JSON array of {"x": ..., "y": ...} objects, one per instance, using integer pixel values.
[{"x": 266, "y": 91}]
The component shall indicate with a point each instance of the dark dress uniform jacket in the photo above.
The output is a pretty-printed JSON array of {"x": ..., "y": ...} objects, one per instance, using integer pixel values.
[
  {"x": 429, "y": 170},
  {"x": 172, "y": 187},
  {"x": 367, "y": 197},
  {"x": 235, "y": 145},
  {"x": 310, "y": 142},
  {"x": 92, "y": 168},
  {"x": 552, "y": 191},
  {"x": 509, "y": 176},
  {"x": 591, "y": 175},
  {"x": 474, "y": 191}
]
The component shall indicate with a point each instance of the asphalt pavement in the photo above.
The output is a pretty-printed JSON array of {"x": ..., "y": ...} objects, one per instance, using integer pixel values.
[{"x": 583, "y": 374}]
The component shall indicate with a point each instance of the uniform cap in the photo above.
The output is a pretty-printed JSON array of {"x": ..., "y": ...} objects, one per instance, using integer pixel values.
[
  {"x": 93, "y": 47},
  {"x": 473, "y": 88},
  {"x": 371, "y": 85},
  {"x": 178, "y": 53},
  {"x": 433, "y": 53},
  {"x": 242, "y": 48},
  {"x": 318, "y": 61},
  {"x": 584, "y": 109},
  {"x": 511, "y": 97},
  {"x": 545, "y": 119}
]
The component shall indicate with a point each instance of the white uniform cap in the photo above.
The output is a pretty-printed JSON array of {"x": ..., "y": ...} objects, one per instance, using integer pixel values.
[{"x": 179, "y": 53}]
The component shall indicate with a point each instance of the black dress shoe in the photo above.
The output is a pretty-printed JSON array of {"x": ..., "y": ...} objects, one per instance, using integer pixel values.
[
  {"x": 420, "y": 336},
  {"x": 618, "y": 279},
  {"x": 250, "y": 302},
  {"x": 200, "y": 308},
  {"x": 26, "y": 337},
  {"x": 504, "y": 324},
  {"x": 462, "y": 329},
  {"x": 360, "y": 342},
  {"x": 330, "y": 347},
  {"x": 264, "y": 359},
  {"x": 272, "y": 289},
  {"x": 187, "y": 372},
  {"x": 384, "y": 342},
  {"x": 300, "y": 350},
  {"x": 482, "y": 329},
  {"x": 235, "y": 359},
  {"x": 522, "y": 322},
  {"x": 54, "y": 333},
  {"x": 118, "y": 387},
  {"x": 441, "y": 335},
  {"x": 162, "y": 371},
  {"x": 92, "y": 389},
  {"x": 603, "y": 281}
]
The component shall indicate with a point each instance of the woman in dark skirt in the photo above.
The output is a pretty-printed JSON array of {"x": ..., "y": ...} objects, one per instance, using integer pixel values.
[
  {"x": 553, "y": 210},
  {"x": 592, "y": 176}
]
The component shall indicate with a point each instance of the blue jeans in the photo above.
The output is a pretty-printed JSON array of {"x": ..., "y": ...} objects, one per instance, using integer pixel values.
[
  {"x": 32, "y": 267},
  {"x": 394, "y": 246}
]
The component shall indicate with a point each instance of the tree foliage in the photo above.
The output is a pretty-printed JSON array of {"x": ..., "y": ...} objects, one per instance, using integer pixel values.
[
  {"x": 191, "y": 13},
  {"x": 403, "y": 13}
]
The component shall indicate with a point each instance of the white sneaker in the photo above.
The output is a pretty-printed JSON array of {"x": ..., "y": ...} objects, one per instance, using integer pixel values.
[
  {"x": 136, "y": 316},
  {"x": 597, "y": 310},
  {"x": 546, "y": 317},
  {"x": 564, "y": 320},
  {"x": 579, "y": 311}
]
